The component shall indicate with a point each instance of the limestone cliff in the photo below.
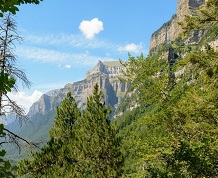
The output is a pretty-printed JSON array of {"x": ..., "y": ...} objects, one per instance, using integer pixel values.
[
  {"x": 171, "y": 29},
  {"x": 104, "y": 73}
]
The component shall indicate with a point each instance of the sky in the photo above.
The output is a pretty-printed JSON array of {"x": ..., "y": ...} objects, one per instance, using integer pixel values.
[{"x": 63, "y": 39}]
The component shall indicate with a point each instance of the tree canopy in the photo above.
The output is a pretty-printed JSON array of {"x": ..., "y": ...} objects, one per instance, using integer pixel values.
[
  {"x": 12, "y": 5},
  {"x": 81, "y": 144}
]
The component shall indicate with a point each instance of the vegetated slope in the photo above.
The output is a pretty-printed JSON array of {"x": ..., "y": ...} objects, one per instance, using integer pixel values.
[
  {"x": 173, "y": 130},
  {"x": 34, "y": 130}
]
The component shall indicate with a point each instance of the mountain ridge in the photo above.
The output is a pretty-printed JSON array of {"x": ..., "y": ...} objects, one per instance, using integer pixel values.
[
  {"x": 104, "y": 73},
  {"x": 171, "y": 30}
]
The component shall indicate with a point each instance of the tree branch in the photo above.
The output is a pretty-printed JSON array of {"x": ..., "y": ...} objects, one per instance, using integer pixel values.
[{"x": 31, "y": 144}]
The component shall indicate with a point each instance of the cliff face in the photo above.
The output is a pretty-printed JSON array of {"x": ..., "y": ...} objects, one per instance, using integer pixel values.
[
  {"x": 105, "y": 74},
  {"x": 171, "y": 30}
]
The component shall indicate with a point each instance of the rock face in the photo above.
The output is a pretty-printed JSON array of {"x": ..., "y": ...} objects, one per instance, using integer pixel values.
[
  {"x": 214, "y": 44},
  {"x": 105, "y": 74},
  {"x": 171, "y": 29}
]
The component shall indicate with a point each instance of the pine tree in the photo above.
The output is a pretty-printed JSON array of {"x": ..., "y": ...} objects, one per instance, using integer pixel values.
[
  {"x": 99, "y": 154},
  {"x": 67, "y": 114},
  {"x": 56, "y": 158},
  {"x": 79, "y": 146}
]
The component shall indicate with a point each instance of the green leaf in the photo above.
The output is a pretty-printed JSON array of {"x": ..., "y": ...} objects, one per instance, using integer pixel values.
[
  {"x": 2, "y": 153},
  {"x": 6, "y": 82}
]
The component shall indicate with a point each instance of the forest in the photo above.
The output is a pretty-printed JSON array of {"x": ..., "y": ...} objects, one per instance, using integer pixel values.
[{"x": 172, "y": 133}]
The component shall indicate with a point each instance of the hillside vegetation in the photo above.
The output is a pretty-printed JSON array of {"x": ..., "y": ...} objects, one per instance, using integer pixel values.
[{"x": 173, "y": 132}]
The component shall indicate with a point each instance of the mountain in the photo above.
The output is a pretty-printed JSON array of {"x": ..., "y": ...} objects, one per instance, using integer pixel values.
[
  {"x": 104, "y": 73},
  {"x": 171, "y": 30},
  {"x": 41, "y": 113}
]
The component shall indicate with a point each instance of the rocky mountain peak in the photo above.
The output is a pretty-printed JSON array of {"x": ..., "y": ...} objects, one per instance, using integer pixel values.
[
  {"x": 99, "y": 68},
  {"x": 53, "y": 92},
  {"x": 104, "y": 74},
  {"x": 170, "y": 30}
]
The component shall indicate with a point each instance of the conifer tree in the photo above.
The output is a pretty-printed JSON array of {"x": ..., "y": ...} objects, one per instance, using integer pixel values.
[
  {"x": 79, "y": 146},
  {"x": 56, "y": 156},
  {"x": 99, "y": 154}
]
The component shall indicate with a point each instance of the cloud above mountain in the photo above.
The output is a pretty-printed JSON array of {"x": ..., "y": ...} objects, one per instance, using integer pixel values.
[
  {"x": 24, "y": 100},
  {"x": 131, "y": 47},
  {"x": 70, "y": 50},
  {"x": 52, "y": 56},
  {"x": 91, "y": 28},
  {"x": 67, "y": 66}
]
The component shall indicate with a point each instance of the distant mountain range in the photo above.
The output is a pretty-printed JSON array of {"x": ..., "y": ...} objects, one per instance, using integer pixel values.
[{"x": 41, "y": 113}]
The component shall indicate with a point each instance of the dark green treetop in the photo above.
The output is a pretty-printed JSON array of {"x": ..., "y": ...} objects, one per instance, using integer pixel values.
[
  {"x": 97, "y": 140},
  {"x": 57, "y": 152},
  {"x": 11, "y": 5},
  {"x": 81, "y": 145}
]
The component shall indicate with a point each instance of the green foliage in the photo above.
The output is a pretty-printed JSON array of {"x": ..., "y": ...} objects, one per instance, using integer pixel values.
[
  {"x": 156, "y": 73},
  {"x": 11, "y": 5},
  {"x": 66, "y": 116},
  {"x": 125, "y": 101},
  {"x": 205, "y": 16},
  {"x": 55, "y": 152},
  {"x": 99, "y": 155},
  {"x": 6, "y": 169},
  {"x": 80, "y": 145},
  {"x": 6, "y": 83},
  {"x": 211, "y": 34},
  {"x": 5, "y": 166},
  {"x": 172, "y": 133},
  {"x": 177, "y": 134},
  {"x": 196, "y": 159}
]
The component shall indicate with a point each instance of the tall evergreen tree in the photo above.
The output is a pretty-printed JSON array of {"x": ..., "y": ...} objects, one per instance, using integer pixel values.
[
  {"x": 80, "y": 146},
  {"x": 55, "y": 158},
  {"x": 99, "y": 156}
]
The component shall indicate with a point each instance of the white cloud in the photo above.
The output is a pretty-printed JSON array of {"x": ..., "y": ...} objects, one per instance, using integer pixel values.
[
  {"x": 91, "y": 28},
  {"x": 132, "y": 47},
  {"x": 40, "y": 54},
  {"x": 64, "y": 39},
  {"x": 46, "y": 55},
  {"x": 68, "y": 66},
  {"x": 25, "y": 100}
]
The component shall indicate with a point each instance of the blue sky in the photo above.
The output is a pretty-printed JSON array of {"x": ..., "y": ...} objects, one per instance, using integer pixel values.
[{"x": 63, "y": 39}]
